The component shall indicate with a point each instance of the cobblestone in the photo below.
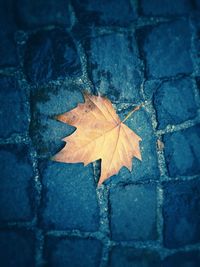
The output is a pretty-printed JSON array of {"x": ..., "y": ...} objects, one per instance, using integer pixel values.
[
  {"x": 174, "y": 102},
  {"x": 50, "y": 55},
  {"x": 133, "y": 52},
  {"x": 115, "y": 66},
  {"x": 148, "y": 168},
  {"x": 105, "y": 12},
  {"x": 73, "y": 252},
  {"x": 38, "y": 13},
  {"x": 196, "y": 24},
  {"x": 173, "y": 37},
  {"x": 181, "y": 213},
  {"x": 67, "y": 183},
  {"x": 166, "y": 7},
  {"x": 16, "y": 248},
  {"x": 46, "y": 132},
  {"x": 182, "y": 152},
  {"x": 8, "y": 51},
  {"x": 16, "y": 186},
  {"x": 181, "y": 259},
  {"x": 134, "y": 216},
  {"x": 131, "y": 257},
  {"x": 13, "y": 115}
]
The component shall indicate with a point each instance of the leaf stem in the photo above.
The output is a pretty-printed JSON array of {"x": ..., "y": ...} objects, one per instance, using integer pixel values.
[{"x": 132, "y": 111}]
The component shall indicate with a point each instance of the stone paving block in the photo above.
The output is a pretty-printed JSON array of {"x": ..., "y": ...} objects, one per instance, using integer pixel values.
[
  {"x": 146, "y": 169},
  {"x": 104, "y": 13},
  {"x": 46, "y": 102},
  {"x": 133, "y": 212},
  {"x": 150, "y": 88},
  {"x": 69, "y": 200},
  {"x": 15, "y": 183},
  {"x": 165, "y": 7},
  {"x": 182, "y": 152},
  {"x": 129, "y": 257},
  {"x": 198, "y": 82},
  {"x": 173, "y": 37},
  {"x": 115, "y": 66},
  {"x": 13, "y": 116},
  {"x": 60, "y": 252},
  {"x": 183, "y": 259},
  {"x": 181, "y": 211},
  {"x": 196, "y": 23},
  {"x": 39, "y": 13},
  {"x": 174, "y": 102},
  {"x": 16, "y": 248},
  {"x": 50, "y": 55},
  {"x": 8, "y": 52},
  {"x": 47, "y": 135}
]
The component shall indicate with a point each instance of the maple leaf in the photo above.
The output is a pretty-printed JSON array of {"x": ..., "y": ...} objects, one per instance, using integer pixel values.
[{"x": 100, "y": 134}]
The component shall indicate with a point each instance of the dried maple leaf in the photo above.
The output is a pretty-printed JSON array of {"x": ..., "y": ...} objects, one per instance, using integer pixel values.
[{"x": 100, "y": 134}]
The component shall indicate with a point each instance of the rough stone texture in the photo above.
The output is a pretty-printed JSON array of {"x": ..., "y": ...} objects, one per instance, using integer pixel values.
[
  {"x": 16, "y": 248},
  {"x": 15, "y": 183},
  {"x": 133, "y": 212},
  {"x": 8, "y": 51},
  {"x": 66, "y": 205},
  {"x": 190, "y": 259},
  {"x": 73, "y": 252},
  {"x": 13, "y": 117},
  {"x": 41, "y": 12},
  {"x": 166, "y": 7},
  {"x": 182, "y": 151},
  {"x": 129, "y": 257},
  {"x": 50, "y": 55},
  {"x": 173, "y": 37},
  {"x": 198, "y": 82},
  {"x": 196, "y": 23},
  {"x": 148, "y": 167},
  {"x": 46, "y": 132},
  {"x": 133, "y": 52},
  {"x": 181, "y": 211},
  {"x": 174, "y": 102},
  {"x": 102, "y": 12},
  {"x": 115, "y": 66}
]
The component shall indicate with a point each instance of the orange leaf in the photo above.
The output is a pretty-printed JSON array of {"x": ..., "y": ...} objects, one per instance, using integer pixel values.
[{"x": 100, "y": 134}]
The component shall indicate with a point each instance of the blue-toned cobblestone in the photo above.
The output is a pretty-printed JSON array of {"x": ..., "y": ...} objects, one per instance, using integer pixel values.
[
  {"x": 147, "y": 168},
  {"x": 13, "y": 115},
  {"x": 181, "y": 213},
  {"x": 16, "y": 248},
  {"x": 165, "y": 7},
  {"x": 46, "y": 132},
  {"x": 115, "y": 66},
  {"x": 182, "y": 152},
  {"x": 102, "y": 12},
  {"x": 189, "y": 259},
  {"x": 41, "y": 12},
  {"x": 175, "y": 102},
  {"x": 50, "y": 55},
  {"x": 15, "y": 183},
  {"x": 133, "y": 212},
  {"x": 196, "y": 23},
  {"x": 8, "y": 51},
  {"x": 77, "y": 252},
  {"x": 173, "y": 37},
  {"x": 66, "y": 205},
  {"x": 133, "y": 52},
  {"x": 129, "y": 257}
]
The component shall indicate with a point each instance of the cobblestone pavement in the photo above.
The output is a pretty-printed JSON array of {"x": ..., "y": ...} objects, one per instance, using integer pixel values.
[{"x": 52, "y": 214}]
